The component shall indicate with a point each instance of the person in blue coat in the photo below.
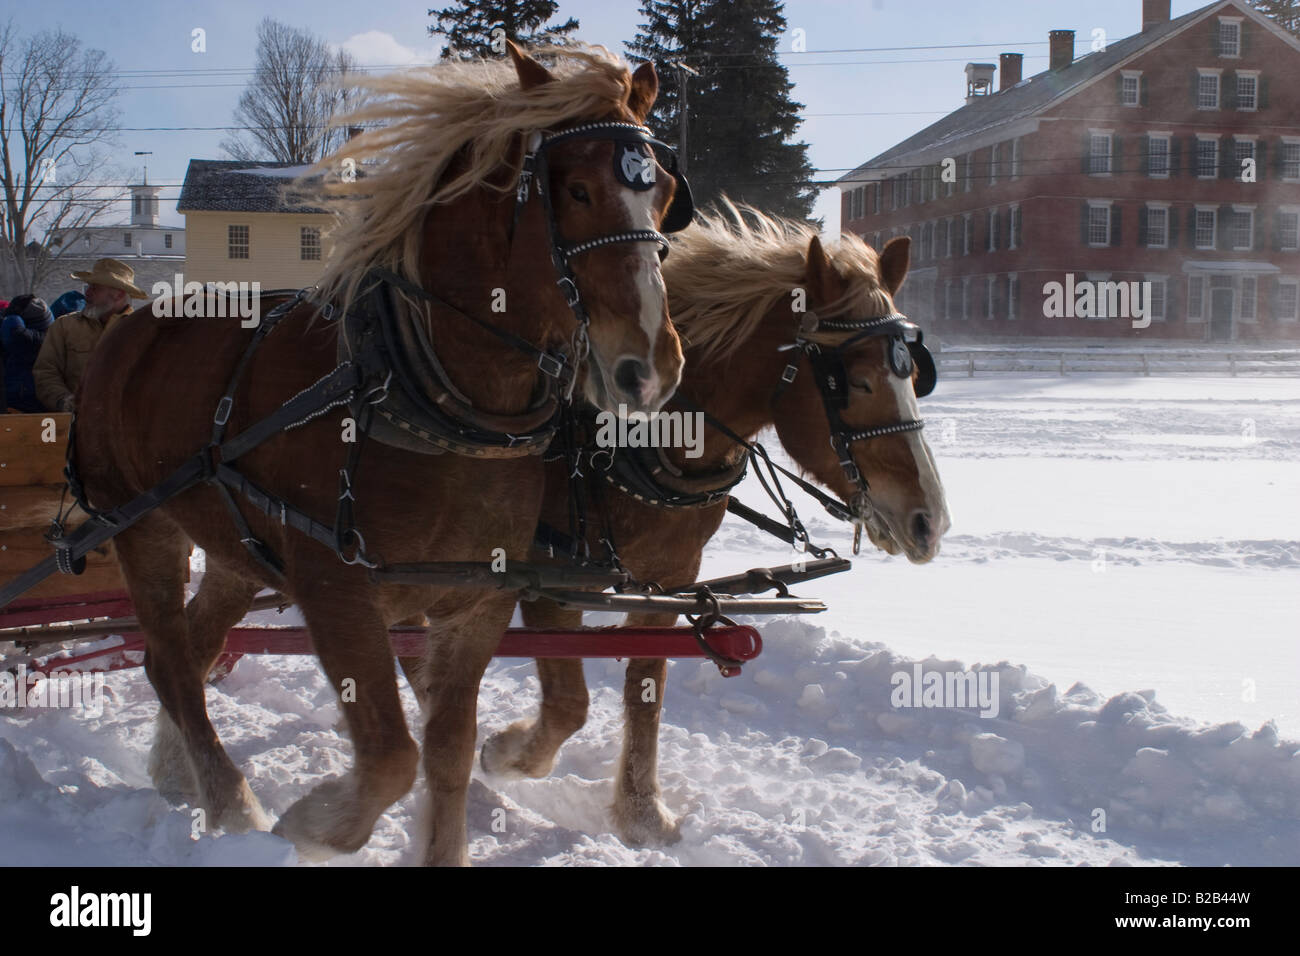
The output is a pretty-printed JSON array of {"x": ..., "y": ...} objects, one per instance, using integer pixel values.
[
  {"x": 68, "y": 302},
  {"x": 22, "y": 330}
]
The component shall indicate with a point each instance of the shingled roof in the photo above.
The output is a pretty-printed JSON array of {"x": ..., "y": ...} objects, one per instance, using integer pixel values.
[
  {"x": 1026, "y": 99},
  {"x": 217, "y": 185}
]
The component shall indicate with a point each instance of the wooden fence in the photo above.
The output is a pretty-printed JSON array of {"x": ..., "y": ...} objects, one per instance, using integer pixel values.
[{"x": 1067, "y": 361}]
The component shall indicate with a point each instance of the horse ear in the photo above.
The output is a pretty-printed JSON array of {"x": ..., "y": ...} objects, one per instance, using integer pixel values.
[
  {"x": 894, "y": 259},
  {"x": 645, "y": 88},
  {"x": 531, "y": 73},
  {"x": 819, "y": 272}
]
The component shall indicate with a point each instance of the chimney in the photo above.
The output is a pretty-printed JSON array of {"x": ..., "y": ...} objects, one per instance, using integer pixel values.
[
  {"x": 1154, "y": 13},
  {"x": 1062, "y": 47},
  {"x": 1011, "y": 66}
]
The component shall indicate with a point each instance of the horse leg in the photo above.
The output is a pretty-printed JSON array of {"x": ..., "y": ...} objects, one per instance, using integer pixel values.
[
  {"x": 639, "y": 811},
  {"x": 413, "y": 667},
  {"x": 351, "y": 641},
  {"x": 152, "y": 557},
  {"x": 459, "y": 652},
  {"x": 528, "y": 747},
  {"x": 221, "y": 602}
]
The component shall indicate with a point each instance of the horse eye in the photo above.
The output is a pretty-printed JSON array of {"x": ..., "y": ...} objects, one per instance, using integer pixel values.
[
  {"x": 580, "y": 194},
  {"x": 861, "y": 384}
]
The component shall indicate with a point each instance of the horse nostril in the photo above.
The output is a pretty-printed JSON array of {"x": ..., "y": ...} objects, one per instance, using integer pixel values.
[
  {"x": 921, "y": 527},
  {"x": 629, "y": 375}
]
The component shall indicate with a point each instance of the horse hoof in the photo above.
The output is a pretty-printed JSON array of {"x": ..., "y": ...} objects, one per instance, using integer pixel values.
[
  {"x": 244, "y": 814},
  {"x": 324, "y": 823},
  {"x": 646, "y": 822},
  {"x": 504, "y": 754}
]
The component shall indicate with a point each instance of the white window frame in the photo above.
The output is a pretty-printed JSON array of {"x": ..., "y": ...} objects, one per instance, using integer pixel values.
[
  {"x": 1013, "y": 284},
  {"x": 1206, "y": 138},
  {"x": 1250, "y": 232},
  {"x": 965, "y": 298},
  {"x": 1247, "y": 75},
  {"x": 991, "y": 229},
  {"x": 1016, "y": 148},
  {"x": 1136, "y": 77},
  {"x": 1229, "y": 22},
  {"x": 1165, "y": 137},
  {"x": 1093, "y": 206},
  {"x": 990, "y": 296},
  {"x": 1093, "y": 136},
  {"x": 1295, "y": 142},
  {"x": 1295, "y": 311},
  {"x": 1160, "y": 207},
  {"x": 126, "y": 240},
  {"x": 1289, "y": 211},
  {"x": 1203, "y": 73},
  {"x": 1163, "y": 282},
  {"x": 970, "y": 171},
  {"x": 1252, "y": 299},
  {"x": 994, "y": 152},
  {"x": 1013, "y": 227},
  {"x": 1196, "y": 282},
  {"x": 968, "y": 234},
  {"x": 1237, "y": 140},
  {"x": 1099, "y": 309},
  {"x": 1214, "y": 226}
]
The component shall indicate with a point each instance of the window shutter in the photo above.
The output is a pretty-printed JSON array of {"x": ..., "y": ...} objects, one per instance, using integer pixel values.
[
  {"x": 1215, "y": 48},
  {"x": 1142, "y": 91},
  {"x": 1261, "y": 231},
  {"x": 1119, "y": 88},
  {"x": 1144, "y": 155},
  {"x": 1116, "y": 154},
  {"x": 1274, "y": 299},
  {"x": 1087, "y": 152},
  {"x": 1143, "y": 238},
  {"x": 1223, "y": 225},
  {"x": 1173, "y": 228},
  {"x": 1083, "y": 223},
  {"x": 1228, "y": 90},
  {"x": 1196, "y": 88},
  {"x": 1261, "y": 160},
  {"x": 1277, "y": 230},
  {"x": 1261, "y": 93},
  {"x": 1243, "y": 40},
  {"x": 1279, "y": 161},
  {"x": 1171, "y": 309},
  {"x": 1174, "y": 152},
  {"x": 1006, "y": 230},
  {"x": 1116, "y": 217},
  {"x": 1229, "y": 168},
  {"x": 1191, "y": 228}
]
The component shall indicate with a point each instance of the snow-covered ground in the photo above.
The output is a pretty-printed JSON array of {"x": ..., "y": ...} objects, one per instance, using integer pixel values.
[{"x": 1124, "y": 556}]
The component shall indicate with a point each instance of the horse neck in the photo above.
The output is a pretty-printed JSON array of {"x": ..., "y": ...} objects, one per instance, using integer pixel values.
[
  {"x": 467, "y": 262},
  {"x": 736, "y": 390}
]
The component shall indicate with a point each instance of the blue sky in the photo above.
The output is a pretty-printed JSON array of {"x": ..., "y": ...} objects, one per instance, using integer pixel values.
[{"x": 856, "y": 103}]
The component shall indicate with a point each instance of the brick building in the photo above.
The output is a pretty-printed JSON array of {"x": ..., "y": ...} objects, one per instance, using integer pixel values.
[{"x": 1172, "y": 157}]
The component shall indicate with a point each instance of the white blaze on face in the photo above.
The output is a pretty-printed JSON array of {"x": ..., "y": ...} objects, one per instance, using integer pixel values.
[
  {"x": 927, "y": 472},
  {"x": 650, "y": 290}
]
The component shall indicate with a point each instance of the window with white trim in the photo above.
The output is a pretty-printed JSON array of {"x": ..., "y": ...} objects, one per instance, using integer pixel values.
[
  {"x": 236, "y": 242},
  {"x": 970, "y": 171},
  {"x": 1015, "y": 228},
  {"x": 1157, "y": 227},
  {"x": 949, "y": 294},
  {"x": 1249, "y": 293},
  {"x": 167, "y": 240},
  {"x": 1013, "y": 289},
  {"x": 875, "y": 197},
  {"x": 991, "y": 230},
  {"x": 1130, "y": 88},
  {"x": 993, "y": 163},
  {"x": 126, "y": 240},
  {"x": 953, "y": 244},
  {"x": 927, "y": 241},
  {"x": 1291, "y": 159},
  {"x": 1242, "y": 149},
  {"x": 1288, "y": 300},
  {"x": 1205, "y": 227},
  {"x": 1158, "y": 156},
  {"x": 309, "y": 241},
  {"x": 990, "y": 297},
  {"x": 1243, "y": 229},
  {"x": 1099, "y": 145},
  {"x": 1156, "y": 304},
  {"x": 1247, "y": 90},
  {"x": 1288, "y": 229},
  {"x": 1099, "y": 312},
  {"x": 1207, "y": 157},
  {"x": 965, "y": 298},
  {"x": 1195, "y": 298},
  {"x": 1015, "y": 157},
  {"x": 968, "y": 235},
  {"x": 1207, "y": 90},
  {"x": 1230, "y": 36},
  {"x": 1098, "y": 224}
]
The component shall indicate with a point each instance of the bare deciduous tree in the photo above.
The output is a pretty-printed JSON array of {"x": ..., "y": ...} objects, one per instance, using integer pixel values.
[
  {"x": 56, "y": 121},
  {"x": 298, "y": 87}
]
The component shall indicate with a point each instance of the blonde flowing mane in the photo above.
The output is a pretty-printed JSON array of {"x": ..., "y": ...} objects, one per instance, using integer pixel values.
[
  {"x": 426, "y": 116},
  {"x": 730, "y": 268}
]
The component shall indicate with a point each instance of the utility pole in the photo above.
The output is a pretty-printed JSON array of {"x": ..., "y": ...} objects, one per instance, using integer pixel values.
[{"x": 683, "y": 154}]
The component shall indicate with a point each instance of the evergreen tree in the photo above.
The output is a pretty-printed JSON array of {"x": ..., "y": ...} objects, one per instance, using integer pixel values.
[
  {"x": 740, "y": 118},
  {"x": 1285, "y": 12},
  {"x": 468, "y": 26}
]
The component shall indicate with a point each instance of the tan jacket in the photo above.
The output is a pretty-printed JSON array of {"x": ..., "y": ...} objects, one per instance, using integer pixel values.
[{"x": 64, "y": 355}]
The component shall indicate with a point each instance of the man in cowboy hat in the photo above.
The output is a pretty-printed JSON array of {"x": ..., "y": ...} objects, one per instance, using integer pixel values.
[{"x": 110, "y": 287}]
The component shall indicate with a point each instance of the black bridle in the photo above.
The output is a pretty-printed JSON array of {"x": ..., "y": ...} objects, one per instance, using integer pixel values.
[{"x": 534, "y": 176}]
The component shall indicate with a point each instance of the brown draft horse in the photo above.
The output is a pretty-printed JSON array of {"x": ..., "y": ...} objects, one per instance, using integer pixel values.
[
  {"x": 437, "y": 209},
  {"x": 729, "y": 288}
]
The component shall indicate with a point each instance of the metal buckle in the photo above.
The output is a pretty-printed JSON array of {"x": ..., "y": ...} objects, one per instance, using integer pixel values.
[
  {"x": 790, "y": 372},
  {"x": 571, "y": 295},
  {"x": 223, "y": 410},
  {"x": 552, "y": 365},
  {"x": 380, "y": 391}
]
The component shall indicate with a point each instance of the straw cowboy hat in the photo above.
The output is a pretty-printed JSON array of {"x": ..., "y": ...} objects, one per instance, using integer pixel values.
[{"x": 115, "y": 275}]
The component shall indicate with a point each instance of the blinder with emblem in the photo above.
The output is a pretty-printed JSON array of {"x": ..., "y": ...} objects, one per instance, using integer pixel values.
[{"x": 926, "y": 372}]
